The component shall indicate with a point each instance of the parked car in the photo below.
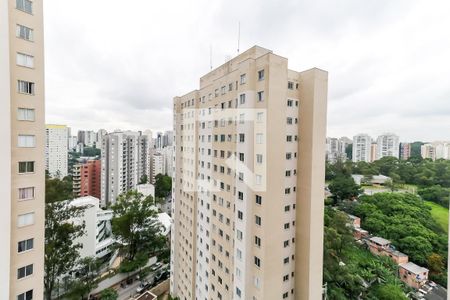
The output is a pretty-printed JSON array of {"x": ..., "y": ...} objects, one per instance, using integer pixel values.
[
  {"x": 162, "y": 276},
  {"x": 142, "y": 287},
  {"x": 156, "y": 266}
]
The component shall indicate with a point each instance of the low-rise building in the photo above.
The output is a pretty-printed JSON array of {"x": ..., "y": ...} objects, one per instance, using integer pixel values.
[
  {"x": 97, "y": 240},
  {"x": 413, "y": 275},
  {"x": 382, "y": 247}
]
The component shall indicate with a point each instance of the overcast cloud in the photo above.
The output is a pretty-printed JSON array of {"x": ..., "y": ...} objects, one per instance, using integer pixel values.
[{"x": 118, "y": 64}]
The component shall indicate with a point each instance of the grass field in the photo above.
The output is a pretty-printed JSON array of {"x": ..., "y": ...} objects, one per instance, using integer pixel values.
[{"x": 440, "y": 214}]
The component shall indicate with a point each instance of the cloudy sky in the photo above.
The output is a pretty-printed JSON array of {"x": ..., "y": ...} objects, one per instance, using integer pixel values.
[{"x": 117, "y": 64}]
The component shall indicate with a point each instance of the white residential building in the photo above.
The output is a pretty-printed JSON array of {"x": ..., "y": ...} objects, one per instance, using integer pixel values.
[
  {"x": 146, "y": 189},
  {"x": 124, "y": 163},
  {"x": 336, "y": 148},
  {"x": 436, "y": 150},
  {"x": 97, "y": 240},
  {"x": 388, "y": 145},
  {"x": 361, "y": 147},
  {"x": 56, "y": 151},
  {"x": 157, "y": 165}
]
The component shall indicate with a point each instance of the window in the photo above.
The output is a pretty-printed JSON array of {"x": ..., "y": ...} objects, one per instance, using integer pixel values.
[
  {"x": 286, "y": 260},
  {"x": 241, "y": 137},
  {"x": 28, "y": 295},
  {"x": 261, "y": 75},
  {"x": 286, "y": 243},
  {"x": 241, "y": 98},
  {"x": 287, "y": 208},
  {"x": 285, "y": 295},
  {"x": 25, "y": 219},
  {"x": 290, "y": 85},
  {"x": 259, "y": 138},
  {"x": 243, "y": 78},
  {"x": 24, "y": 271},
  {"x": 286, "y": 225},
  {"x": 257, "y": 241},
  {"x": 25, "y": 87},
  {"x": 25, "y": 60},
  {"x": 25, "y": 114},
  {"x": 241, "y": 118},
  {"x": 260, "y": 96},
  {"x": 241, "y": 176},
  {"x": 239, "y": 234},
  {"x": 24, "y": 5},
  {"x": 286, "y": 277},
  {"x": 26, "y": 193},
  {"x": 24, "y": 32},
  {"x": 288, "y": 155},
  {"x": 258, "y": 220},
  {"x": 259, "y": 117},
  {"x": 26, "y": 167},
  {"x": 259, "y": 158},
  {"x": 290, "y": 103},
  {"x": 258, "y": 179},
  {"x": 289, "y": 121},
  {"x": 238, "y": 292},
  {"x": 26, "y": 141},
  {"x": 257, "y": 262},
  {"x": 258, "y": 200},
  {"x": 241, "y": 156},
  {"x": 239, "y": 254},
  {"x": 240, "y": 195},
  {"x": 25, "y": 245},
  {"x": 240, "y": 215}
]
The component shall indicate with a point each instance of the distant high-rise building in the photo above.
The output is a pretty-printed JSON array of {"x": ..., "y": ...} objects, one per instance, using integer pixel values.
[
  {"x": 99, "y": 136},
  {"x": 388, "y": 145},
  {"x": 373, "y": 152},
  {"x": 87, "y": 137},
  {"x": 249, "y": 182},
  {"x": 157, "y": 165},
  {"x": 344, "y": 142},
  {"x": 72, "y": 143},
  {"x": 436, "y": 150},
  {"x": 56, "y": 151},
  {"x": 405, "y": 151},
  {"x": 22, "y": 154},
  {"x": 124, "y": 163},
  {"x": 336, "y": 149},
  {"x": 159, "y": 142},
  {"x": 361, "y": 147},
  {"x": 168, "y": 138},
  {"x": 87, "y": 179}
]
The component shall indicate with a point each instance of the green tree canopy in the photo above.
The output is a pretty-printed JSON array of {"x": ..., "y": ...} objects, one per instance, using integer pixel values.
[
  {"x": 163, "y": 186},
  {"x": 136, "y": 228}
]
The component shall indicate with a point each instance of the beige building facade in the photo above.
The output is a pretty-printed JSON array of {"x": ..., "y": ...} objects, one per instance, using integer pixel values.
[
  {"x": 249, "y": 181},
  {"x": 22, "y": 165}
]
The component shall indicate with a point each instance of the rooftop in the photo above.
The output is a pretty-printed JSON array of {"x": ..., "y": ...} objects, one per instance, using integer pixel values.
[
  {"x": 413, "y": 268},
  {"x": 380, "y": 241}
]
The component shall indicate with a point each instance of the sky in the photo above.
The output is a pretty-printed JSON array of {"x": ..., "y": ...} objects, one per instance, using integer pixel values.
[{"x": 118, "y": 64}]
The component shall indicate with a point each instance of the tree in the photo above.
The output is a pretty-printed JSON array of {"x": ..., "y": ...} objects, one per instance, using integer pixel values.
[
  {"x": 91, "y": 152},
  {"x": 389, "y": 292},
  {"x": 343, "y": 188},
  {"x": 136, "y": 229},
  {"x": 163, "y": 186},
  {"x": 436, "y": 263},
  {"x": 85, "y": 278},
  {"x": 143, "y": 179},
  {"x": 61, "y": 251},
  {"x": 58, "y": 190},
  {"x": 109, "y": 294}
]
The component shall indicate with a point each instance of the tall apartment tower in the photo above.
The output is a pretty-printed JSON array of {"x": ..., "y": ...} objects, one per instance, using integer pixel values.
[
  {"x": 22, "y": 163},
  {"x": 124, "y": 162},
  {"x": 405, "y": 151},
  {"x": 248, "y": 187},
  {"x": 87, "y": 178},
  {"x": 388, "y": 145},
  {"x": 361, "y": 147},
  {"x": 56, "y": 150}
]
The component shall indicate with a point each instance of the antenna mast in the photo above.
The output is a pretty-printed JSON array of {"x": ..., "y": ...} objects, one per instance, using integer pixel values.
[
  {"x": 239, "y": 36},
  {"x": 210, "y": 56}
]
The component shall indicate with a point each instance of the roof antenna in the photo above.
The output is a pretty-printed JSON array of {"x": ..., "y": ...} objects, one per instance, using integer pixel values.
[
  {"x": 239, "y": 35},
  {"x": 210, "y": 56}
]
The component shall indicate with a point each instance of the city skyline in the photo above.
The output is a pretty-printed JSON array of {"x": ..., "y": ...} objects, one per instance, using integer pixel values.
[{"x": 382, "y": 67}]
